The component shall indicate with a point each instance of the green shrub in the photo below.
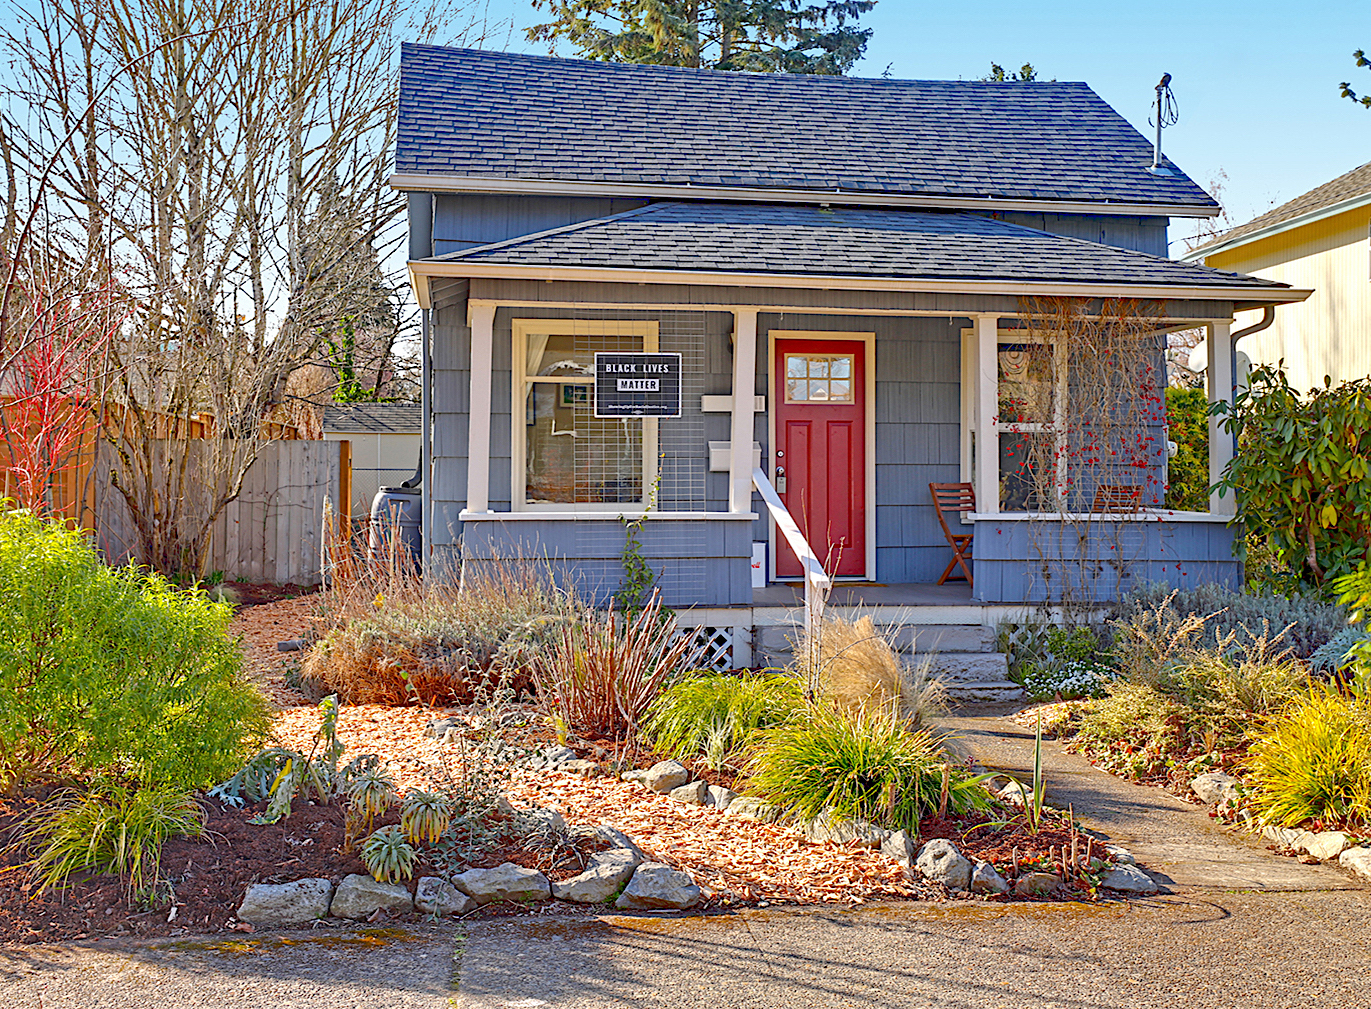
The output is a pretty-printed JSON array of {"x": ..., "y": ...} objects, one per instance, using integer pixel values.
[
  {"x": 1056, "y": 662},
  {"x": 1313, "y": 762},
  {"x": 110, "y": 829},
  {"x": 863, "y": 765},
  {"x": 1187, "y": 418},
  {"x": 112, "y": 671},
  {"x": 717, "y": 716},
  {"x": 1300, "y": 478}
]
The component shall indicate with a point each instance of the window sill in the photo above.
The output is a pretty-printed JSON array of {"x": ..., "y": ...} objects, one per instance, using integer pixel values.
[
  {"x": 604, "y": 516},
  {"x": 1145, "y": 515}
]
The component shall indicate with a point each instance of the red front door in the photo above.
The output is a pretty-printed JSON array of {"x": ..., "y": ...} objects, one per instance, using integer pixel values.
[{"x": 820, "y": 452}]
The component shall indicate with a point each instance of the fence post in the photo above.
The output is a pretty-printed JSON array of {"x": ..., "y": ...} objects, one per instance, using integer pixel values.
[{"x": 345, "y": 486}]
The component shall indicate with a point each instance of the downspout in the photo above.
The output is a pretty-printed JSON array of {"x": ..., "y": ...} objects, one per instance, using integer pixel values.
[{"x": 1268, "y": 317}]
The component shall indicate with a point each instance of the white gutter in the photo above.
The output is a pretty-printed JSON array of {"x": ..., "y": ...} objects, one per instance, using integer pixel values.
[
  {"x": 1333, "y": 210},
  {"x": 638, "y": 190},
  {"x": 420, "y": 270}
]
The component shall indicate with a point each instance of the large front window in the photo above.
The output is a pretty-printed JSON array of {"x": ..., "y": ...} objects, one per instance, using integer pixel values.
[{"x": 563, "y": 456}]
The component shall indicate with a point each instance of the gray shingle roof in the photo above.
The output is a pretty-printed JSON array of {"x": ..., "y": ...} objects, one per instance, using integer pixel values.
[
  {"x": 470, "y": 113},
  {"x": 1345, "y": 187},
  {"x": 841, "y": 241},
  {"x": 374, "y": 418}
]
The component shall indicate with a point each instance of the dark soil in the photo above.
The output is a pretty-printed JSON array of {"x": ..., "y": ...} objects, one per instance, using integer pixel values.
[
  {"x": 253, "y": 594},
  {"x": 209, "y": 876}
]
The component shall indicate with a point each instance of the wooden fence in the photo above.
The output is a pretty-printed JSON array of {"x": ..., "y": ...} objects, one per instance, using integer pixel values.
[{"x": 271, "y": 532}]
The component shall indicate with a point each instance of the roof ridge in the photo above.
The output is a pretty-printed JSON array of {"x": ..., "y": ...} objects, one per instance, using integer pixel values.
[{"x": 564, "y": 229}]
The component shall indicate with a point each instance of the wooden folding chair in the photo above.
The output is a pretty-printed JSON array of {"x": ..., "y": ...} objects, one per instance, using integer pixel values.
[
  {"x": 953, "y": 499},
  {"x": 1116, "y": 499}
]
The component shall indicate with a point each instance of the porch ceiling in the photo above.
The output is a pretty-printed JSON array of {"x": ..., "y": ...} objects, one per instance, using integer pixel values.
[{"x": 821, "y": 247}]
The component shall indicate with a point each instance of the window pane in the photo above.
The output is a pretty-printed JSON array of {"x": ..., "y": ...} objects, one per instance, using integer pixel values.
[
  {"x": 572, "y": 458},
  {"x": 818, "y": 367},
  {"x": 572, "y": 355},
  {"x": 822, "y": 370},
  {"x": 796, "y": 366},
  {"x": 796, "y": 390},
  {"x": 1026, "y": 471},
  {"x": 840, "y": 392},
  {"x": 1027, "y": 383},
  {"x": 842, "y": 367},
  {"x": 818, "y": 390}
]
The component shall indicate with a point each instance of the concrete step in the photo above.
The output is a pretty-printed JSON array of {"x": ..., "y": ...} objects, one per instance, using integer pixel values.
[
  {"x": 971, "y": 667},
  {"x": 942, "y": 637},
  {"x": 988, "y": 690}
]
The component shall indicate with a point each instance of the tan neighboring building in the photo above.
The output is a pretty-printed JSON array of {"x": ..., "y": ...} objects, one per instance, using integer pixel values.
[{"x": 1321, "y": 240}]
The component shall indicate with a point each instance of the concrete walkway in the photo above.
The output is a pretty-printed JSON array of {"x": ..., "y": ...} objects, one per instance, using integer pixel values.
[{"x": 1177, "y": 842}]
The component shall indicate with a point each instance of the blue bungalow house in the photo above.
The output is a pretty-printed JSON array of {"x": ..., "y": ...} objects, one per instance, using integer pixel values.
[{"x": 769, "y": 313}]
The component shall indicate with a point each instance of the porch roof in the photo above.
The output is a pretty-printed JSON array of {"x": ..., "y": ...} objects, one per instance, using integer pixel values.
[{"x": 767, "y": 241}]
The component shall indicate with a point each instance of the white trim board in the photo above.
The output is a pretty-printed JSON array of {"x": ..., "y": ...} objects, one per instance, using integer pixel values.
[
  {"x": 420, "y": 183},
  {"x": 1290, "y": 224},
  {"x": 868, "y": 341}
]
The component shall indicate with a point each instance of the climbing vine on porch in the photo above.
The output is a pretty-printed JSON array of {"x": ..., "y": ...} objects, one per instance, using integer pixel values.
[{"x": 1089, "y": 445}]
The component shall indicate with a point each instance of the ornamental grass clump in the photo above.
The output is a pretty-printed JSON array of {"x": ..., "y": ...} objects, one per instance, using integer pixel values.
[
  {"x": 862, "y": 764},
  {"x": 110, "y": 829},
  {"x": 717, "y": 716},
  {"x": 1313, "y": 762},
  {"x": 605, "y": 668},
  {"x": 856, "y": 667}
]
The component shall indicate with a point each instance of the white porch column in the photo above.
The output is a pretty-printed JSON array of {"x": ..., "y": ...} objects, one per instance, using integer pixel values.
[
  {"x": 478, "y": 420},
  {"x": 744, "y": 392},
  {"x": 1219, "y": 376},
  {"x": 987, "y": 475}
]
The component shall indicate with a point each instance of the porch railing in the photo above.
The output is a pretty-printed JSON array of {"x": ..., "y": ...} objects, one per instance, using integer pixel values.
[{"x": 816, "y": 579}]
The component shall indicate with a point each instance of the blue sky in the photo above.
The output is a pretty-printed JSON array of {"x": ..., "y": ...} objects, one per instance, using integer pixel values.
[{"x": 1256, "y": 82}]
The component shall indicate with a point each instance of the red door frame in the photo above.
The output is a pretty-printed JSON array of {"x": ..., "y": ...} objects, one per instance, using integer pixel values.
[{"x": 810, "y": 436}]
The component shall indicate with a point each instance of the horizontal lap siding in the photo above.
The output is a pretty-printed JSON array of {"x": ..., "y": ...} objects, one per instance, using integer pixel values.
[
  {"x": 1032, "y": 562},
  {"x": 697, "y": 563}
]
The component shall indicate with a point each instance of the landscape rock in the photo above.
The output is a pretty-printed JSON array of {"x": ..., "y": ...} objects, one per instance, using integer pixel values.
[
  {"x": 1128, "y": 879},
  {"x": 1035, "y": 884},
  {"x": 286, "y": 903},
  {"x": 1120, "y": 855},
  {"x": 984, "y": 879},
  {"x": 607, "y": 872},
  {"x": 582, "y": 768},
  {"x": 437, "y": 896},
  {"x": 655, "y": 886},
  {"x": 941, "y": 862},
  {"x": 504, "y": 882},
  {"x": 547, "y": 819},
  {"x": 827, "y": 827},
  {"x": 665, "y": 775},
  {"x": 900, "y": 846},
  {"x": 293, "y": 645},
  {"x": 639, "y": 775},
  {"x": 1354, "y": 860},
  {"x": 1013, "y": 793},
  {"x": 619, "y": 839},
  {"x": 1214, "y": 786},
  {"x": 1286, "y": 837},
  {"x": 551, "y": 756},
  {"x": 719, "y": 797},
  {"x": 694, "y": 794},
  {"x": 438, "y": 728},
  {"x": 1326, "y": 845},
  {"x": 361, "y": 896},
  {"x": 749, "y": 807}
]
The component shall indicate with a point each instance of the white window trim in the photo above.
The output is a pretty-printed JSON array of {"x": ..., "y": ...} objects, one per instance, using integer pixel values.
[
  {"x": 520, "y": 330},
  {"x": 970, "y": 389},
  {"x": 868, "y": 341}
]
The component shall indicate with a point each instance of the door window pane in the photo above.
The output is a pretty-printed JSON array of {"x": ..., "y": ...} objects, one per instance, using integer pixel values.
[{"x": 818, "y": 378}]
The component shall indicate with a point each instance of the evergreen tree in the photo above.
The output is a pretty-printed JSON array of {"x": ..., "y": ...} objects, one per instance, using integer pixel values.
[{"x": 767, "y": 36}]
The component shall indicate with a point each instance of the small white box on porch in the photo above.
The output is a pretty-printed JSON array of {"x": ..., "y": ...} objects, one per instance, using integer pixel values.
[
  {"x": 759, "y": 564},
  {"x": 719, "y": 456}
]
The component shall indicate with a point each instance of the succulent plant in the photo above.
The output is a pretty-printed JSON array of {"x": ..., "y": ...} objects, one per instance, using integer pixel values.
[
  {"x": 388, "y": 856},
  {"x": 424, "y": 816}
]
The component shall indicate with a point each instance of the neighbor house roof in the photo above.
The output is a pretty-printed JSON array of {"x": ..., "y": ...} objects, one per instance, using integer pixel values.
[
  {"x": 769, "y": 240},
  {"x": 1346, "y": 192},
  {"x": 374, "y": 418},
  {"x": 508, "y": 122}
]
